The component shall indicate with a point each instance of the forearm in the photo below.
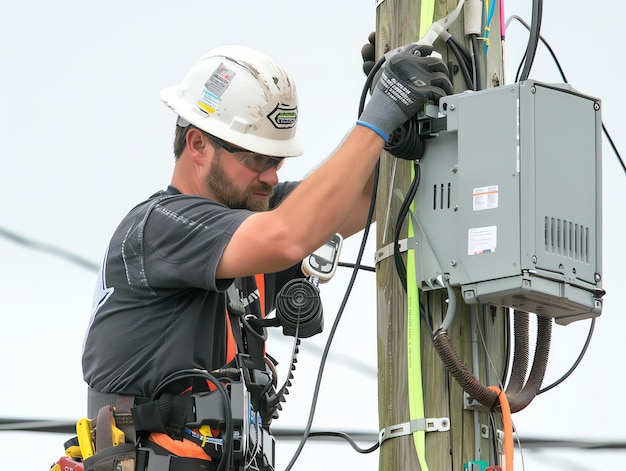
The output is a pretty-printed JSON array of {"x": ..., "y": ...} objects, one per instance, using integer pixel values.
[
  {"x": 335, "y": 197},
  {"x": 317, "y": 208}
]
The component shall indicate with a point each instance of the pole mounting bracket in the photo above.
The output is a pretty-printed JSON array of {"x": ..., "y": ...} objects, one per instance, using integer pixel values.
[
  {"x": 441, "y": 424},
  {"x": 387, "y": 250}
]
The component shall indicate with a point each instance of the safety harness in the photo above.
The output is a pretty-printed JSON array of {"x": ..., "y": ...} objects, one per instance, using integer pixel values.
[{"x": 240, "y": 407}]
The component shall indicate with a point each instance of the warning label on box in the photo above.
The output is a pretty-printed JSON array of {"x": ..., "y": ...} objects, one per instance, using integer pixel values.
[{"x": 485, "y": 197}]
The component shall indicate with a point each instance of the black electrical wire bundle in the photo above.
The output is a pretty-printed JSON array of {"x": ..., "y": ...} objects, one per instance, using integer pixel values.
[
  {"x": 467, "y": 64},
  {"x": 405, "y": 142},
  {"x": 402, "y": 214}
]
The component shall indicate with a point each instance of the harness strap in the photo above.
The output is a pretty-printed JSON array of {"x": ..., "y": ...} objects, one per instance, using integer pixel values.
[
  {"x": 151, "y": 460},
  {"x": 122, "y": 403},
  {"x": 235, "y": 312}
]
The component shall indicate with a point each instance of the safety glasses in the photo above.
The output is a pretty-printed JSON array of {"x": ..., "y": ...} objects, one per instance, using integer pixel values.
[{"x": 255, "y": 162}]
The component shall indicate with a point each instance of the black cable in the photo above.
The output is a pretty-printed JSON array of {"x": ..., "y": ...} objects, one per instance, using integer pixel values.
[
  {"x": 348, "y": 438},
  {"x": 370, "y": 214},
  {"x": 403, "y": 212},
  {"x": 47, "y": 248},
  {"x": 533, "y": 40},
  {"x": 464, "y": 54},
  {"x": 252, "y": 331},
  {"x": 331, "y": 335},
  {"x": 361, "y": 267},
  {"x": 464, "y": 61},
  {"x": 617, "y": 154},
  {"x": 562, "y": 73},
  {"x": 544, "y": 42},
  {"x": 425, "y": 312},
  {"x": 576, "y": 363},
  {"x": 476, "y": 68}
]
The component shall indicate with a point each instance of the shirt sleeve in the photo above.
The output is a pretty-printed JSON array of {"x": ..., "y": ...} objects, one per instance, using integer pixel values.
[{"x": 184, "y": 241}]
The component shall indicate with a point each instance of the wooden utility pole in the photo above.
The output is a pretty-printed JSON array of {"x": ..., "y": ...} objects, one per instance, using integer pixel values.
[{"x": 477, "y": 333}]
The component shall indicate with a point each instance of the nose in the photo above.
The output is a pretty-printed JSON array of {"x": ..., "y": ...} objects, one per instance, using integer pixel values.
[{"x": 269, "y": 177}]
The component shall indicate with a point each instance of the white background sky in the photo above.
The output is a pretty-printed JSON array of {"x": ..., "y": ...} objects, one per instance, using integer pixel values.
[{"x": 84, "y": 137}]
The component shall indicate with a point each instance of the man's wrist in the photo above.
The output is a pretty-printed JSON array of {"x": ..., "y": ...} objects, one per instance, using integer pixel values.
[{"x": 375, "y": 129}]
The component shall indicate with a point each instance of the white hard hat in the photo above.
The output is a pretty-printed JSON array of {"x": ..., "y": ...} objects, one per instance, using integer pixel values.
[{"x": 240, "y": 96}]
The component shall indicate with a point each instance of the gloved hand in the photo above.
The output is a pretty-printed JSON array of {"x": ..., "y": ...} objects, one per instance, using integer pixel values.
[
  {"x": 408, "y": 80},
  {"x": 368, "y": 53}
]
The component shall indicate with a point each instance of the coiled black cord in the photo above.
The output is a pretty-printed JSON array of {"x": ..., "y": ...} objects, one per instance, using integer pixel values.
[{"x": 299, "y": 308}]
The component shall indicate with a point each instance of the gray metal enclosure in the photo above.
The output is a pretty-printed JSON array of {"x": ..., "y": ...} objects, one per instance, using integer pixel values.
[{"x": 509, "y": 201}]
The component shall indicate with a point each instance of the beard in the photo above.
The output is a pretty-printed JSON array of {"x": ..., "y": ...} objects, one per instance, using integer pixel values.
[{"x": 227, "y": 193}]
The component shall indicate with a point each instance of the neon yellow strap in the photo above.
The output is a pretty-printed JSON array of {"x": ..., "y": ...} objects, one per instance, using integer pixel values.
[
  {"x": 416, "y": 393},
  {"x": 427, "y": 15}
]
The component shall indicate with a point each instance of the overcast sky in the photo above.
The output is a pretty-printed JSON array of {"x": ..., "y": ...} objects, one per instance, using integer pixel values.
[{"x": 84, "y": 137}]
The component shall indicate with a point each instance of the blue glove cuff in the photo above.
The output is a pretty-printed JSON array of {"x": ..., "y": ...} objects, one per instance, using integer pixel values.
[{"x": 375, "y": 129}]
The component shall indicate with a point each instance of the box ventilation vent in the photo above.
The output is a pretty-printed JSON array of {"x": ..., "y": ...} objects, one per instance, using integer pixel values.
[
  {"x": 441, "y": 195},
  {"x": 567, "y": 239}
]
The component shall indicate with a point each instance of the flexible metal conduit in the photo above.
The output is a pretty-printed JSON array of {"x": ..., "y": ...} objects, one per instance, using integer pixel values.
[
  {"x": 538, "y": 370},
  {"x": 520, "y": 354},
  {"x": 487, "y": 397}
]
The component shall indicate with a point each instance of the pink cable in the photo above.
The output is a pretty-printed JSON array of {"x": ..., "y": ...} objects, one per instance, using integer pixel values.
[{"x": 502, "y": 21}]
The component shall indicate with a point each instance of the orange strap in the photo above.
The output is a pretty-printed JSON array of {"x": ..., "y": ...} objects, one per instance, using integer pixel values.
[
  {"x": 183, "y": 448},
  {"x": 260, "y": 283},
  {"x": 231, "y": 345}
]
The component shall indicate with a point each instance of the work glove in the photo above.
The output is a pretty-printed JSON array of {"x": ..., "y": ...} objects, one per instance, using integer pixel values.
[
  {"x": 368, "y": 53},
  {"x": 408, "y": 81}
]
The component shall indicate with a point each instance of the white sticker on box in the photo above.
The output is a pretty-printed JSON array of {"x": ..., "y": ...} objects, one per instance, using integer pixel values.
[{"x": 482, "y": 240}]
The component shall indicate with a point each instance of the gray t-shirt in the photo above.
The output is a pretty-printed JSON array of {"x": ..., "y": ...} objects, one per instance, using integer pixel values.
[{"x": 158, "y": 307}]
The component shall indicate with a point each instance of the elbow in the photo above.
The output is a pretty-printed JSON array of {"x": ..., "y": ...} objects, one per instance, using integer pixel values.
[{"x": 294, "y": 253}]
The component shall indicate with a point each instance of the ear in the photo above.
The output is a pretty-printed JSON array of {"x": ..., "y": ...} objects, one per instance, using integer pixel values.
[{"x": 198, "y": 147}]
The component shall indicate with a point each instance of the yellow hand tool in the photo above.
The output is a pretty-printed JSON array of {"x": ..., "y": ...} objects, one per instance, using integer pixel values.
[
  {"x": 73, "y": 452},
  {"x": 85, "y": 439},
  {"x": 117, "y": 435}
]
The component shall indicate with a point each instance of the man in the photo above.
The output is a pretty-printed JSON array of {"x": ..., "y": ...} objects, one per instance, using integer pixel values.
[{"x": 161, "y": 301}]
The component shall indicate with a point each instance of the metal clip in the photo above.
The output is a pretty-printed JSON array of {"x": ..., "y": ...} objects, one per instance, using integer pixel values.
[
  {"x": 441, "y": 424},
  {"x": 387, "y": 250}
]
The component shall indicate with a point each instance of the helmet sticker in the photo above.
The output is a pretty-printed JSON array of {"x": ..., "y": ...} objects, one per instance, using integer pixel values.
[
  {"x": 209, "y": 102},
  {"x": 216, "y": 84},
  {"x": 282, "y": 117}
]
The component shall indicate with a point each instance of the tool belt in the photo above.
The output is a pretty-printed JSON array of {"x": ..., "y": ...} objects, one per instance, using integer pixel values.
[
  {"x": 110, "y": 449},
  {"x": 109, "y": 442}
]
